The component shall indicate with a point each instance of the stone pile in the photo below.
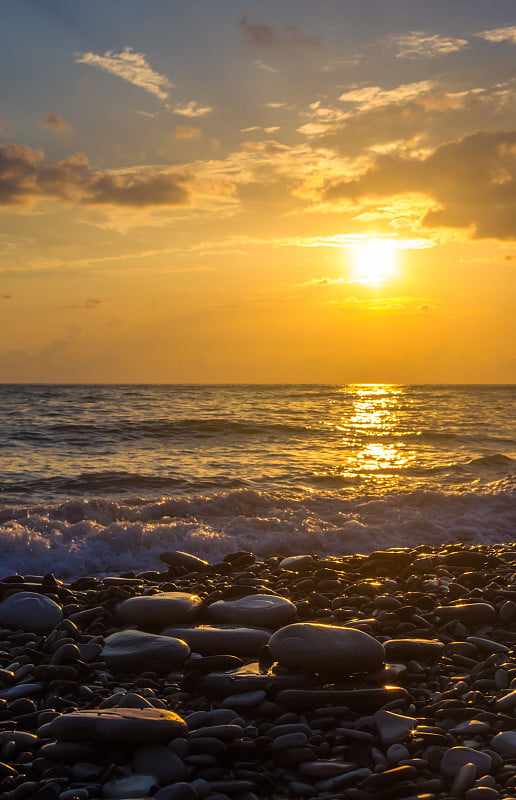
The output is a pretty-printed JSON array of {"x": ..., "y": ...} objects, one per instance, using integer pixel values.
[{"x": 386, "y": 676}]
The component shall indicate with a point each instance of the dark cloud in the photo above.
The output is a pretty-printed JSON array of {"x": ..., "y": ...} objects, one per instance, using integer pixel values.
[
  {"x": 472, "y": 180},
  {"x": 25, "y": 175},
  {"x": 266, "y": 36},
  {"x": 5, "y": 297},
  {"x": 53, "y": 120}
]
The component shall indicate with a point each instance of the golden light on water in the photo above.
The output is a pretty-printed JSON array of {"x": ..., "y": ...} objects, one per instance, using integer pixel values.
[{"x": 375, "y": 261}]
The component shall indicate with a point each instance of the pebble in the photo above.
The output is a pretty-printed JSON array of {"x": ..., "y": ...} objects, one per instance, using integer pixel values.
[
  {"x": 31, "y": 611},
  {"x": 326, "y": 649},
  {"x": 136, "y": 651},
  {"x": 118, "y": 724},
  {"x": 393, "y": 727},
  {"x": 214, "y": 639},
  {"x": 456, "y": 757},
  {"x": 155, "y": 612},
  {"x": 257, "y": 609},
  {"x": 134, "y": 786}
]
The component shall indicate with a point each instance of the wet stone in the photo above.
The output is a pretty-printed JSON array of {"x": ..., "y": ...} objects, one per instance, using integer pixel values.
[
  {"x": 407, "y": 649},
  {"x": 176, "y": 558},
  {"x": 455, "y": 758},
  {"x": 268, "y": 610},
  {"x": 154, "y": 612},
  {"x": 321, "y": 648},
  {"x": 217, "y": 639},
  {"x": 31, "y": 611},
  {"x": 133, "y": 651},
  {"x": 122, "y": 724}
]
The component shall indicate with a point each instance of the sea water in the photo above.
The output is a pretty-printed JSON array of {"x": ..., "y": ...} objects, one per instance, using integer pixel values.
[{"x": 102, "y": 479}]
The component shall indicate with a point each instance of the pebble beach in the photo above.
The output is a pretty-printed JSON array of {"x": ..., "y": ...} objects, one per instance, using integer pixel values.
[{"x": 388, "y": 675}]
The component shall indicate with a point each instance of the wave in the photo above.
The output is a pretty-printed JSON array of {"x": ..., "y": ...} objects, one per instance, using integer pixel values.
[
  {"x": 97, "y": 536},
  {"x": 128, "y": 430}
]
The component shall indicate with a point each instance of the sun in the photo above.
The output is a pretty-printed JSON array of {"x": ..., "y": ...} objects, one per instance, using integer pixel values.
[{"x": 374, "y": 261}]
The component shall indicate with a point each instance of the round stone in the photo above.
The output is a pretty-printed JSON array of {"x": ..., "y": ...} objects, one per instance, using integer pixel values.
[
  {"x": 312, "y": 647},
  {"x": 31, "y": 611},
  {"x": 505, "y": 743},
  {"x": 115, "y": 724},
  {"x": 158, "y": 760},
  {"x": 211, "y": 640},
  {"x": 405, "y": 650},
  {"x": 134, "y": 786},
  {"x": 456, "y": 757},
  {"x": 269, "y": 610},
  {"x": 393, "y": 727},
  {"x": 156, "y": 611},
  {"x": 136, "y": 651}
]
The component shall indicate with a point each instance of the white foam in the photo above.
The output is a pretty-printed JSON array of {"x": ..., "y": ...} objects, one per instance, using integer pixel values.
[{"x": 98, "y": 536}]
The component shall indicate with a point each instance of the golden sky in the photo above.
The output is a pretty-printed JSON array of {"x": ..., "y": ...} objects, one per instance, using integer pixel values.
[{"x": 258, "y": 191}]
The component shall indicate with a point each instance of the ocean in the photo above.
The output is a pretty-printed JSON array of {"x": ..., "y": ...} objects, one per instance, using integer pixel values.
[{"x": 98, "y": 480}]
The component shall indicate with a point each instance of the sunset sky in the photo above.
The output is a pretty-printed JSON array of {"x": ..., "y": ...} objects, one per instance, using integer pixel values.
[{"x": 235, "y": 191}]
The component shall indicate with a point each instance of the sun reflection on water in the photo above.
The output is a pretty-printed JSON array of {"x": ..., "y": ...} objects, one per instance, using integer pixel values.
[{"x": 370, "y": 432}]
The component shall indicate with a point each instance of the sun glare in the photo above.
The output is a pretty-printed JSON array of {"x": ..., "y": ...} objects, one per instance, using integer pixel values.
[{"x": 374, "y": 261}]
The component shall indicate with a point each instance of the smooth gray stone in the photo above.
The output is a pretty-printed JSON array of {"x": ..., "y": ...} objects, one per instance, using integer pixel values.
[
  {"x": 244, "y": 700},
  {"x": 22, "y": 690},
  {"x": 115, "y": 724},
  {"x": 357, "y": 699},
  {"x": 505, "y": 743},
  {"x": 269, "y": 610},
  {"x": 289, "y": 740},
  {"x": 133, "y": 786},
  {"x": 507, "y": 702},
  {"x": 407, "y": 649},
  {"x": 210, "y": 640},
  {"x": 488, "y": 645},
  {"x": 464, "y": 779},
  {"x": 177, "y": 791},
  {"x": 249, "y": 678},
  {"x": 455, "y": 758},
  {"x": 297, "y": 563},
  {"x": 154, "y": 612},
  {"x": 136, "y": 651},
  {"x": 176, "y": 558},
  {"x": 31, "y": 611},
  {"x": 158, "y": 760},
  {"x": 393, "y": 728},
  {"x": 468, "y": 613},
  {"x": 329, "y": 649},
  {"x": 319, "y": 770}
]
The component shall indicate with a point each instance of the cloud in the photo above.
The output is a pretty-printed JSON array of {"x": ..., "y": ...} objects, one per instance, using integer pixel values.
[
  {"x": 395, "y": 304},
  {"x": 507, "y": 34},
  {"x": 186, "y": 132},
  {"x": 53, "y": 120},
  {"x": 90, "y": 303},
  {"x": 270, "y": 38},
  {"x": 368, "y": 97},
  {"x": 418, "y": 44},
  {"x": 472, "y": 182},
  {"x": 26, "y": 175},
  {"x": 192, "y": 109},
  {"x": 5, "y": 296},
  {"x": 265, "y": 67},
  {"x": 132, "y": 67}
]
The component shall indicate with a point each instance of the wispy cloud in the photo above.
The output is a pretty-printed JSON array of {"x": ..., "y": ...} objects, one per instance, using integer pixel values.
[
  {"x": 265, "y": 67},
  {"x": 266, "y": 36},
  {"x": 132, "y": 67},
  {"x": 187, "y": 132},
  {"x": 418, "y": 44},
  {"x": 368, "y": 97},
  {"x": 192, "y": 109},
  {"x": 507, "y": 34},
  {"x": 55, "y": 121}
]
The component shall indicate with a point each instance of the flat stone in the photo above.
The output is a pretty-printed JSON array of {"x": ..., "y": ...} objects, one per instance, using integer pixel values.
[
  {"x": 487, "y": 645},
  {"x": 250, "y": 678},
  {"x": 134, "y": 786},
  {"x": 297, "y": 563},
  {"x": 393, "y": 728},
  {"x": 177, "y": 791},
  {"x": 154, "y": 612},
  {"x": 482, "y": 793},
  {"x": 407, "y": 649},
  {"x": 115, "y": 724},
  {"x": 507, "y": 702},
  {"x": 470, "y": 727},
  {"x": 468, "y": 613},
  {"x": 31, "y": 611},
  {"x": 176, "y": 558},
  {"x": 158, "y": 760},
  {"x": 211, "y": 640},
  {"x": 244, "y": 700},
  {"x": 268, "y": 610},
  {"x": 455, "y": 758},
  {"x": 505, "y": 743},
  {"x": 313, "y": 647},
  {"x": 324, "y": 769},
  {"x": 136, "y": 651},
  {"x": 464, "y": 779},
  {"x": 364, "y": 700}
]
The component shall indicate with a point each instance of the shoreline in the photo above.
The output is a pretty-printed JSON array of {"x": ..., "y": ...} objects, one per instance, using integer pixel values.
[{"x": 350, "y": 724}]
